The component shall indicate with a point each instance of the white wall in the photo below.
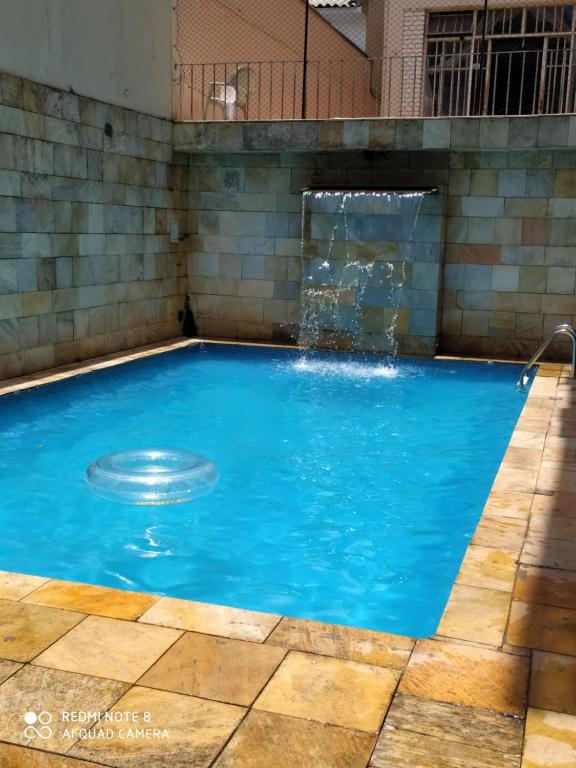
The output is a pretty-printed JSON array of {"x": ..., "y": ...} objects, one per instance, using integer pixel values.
[{"x": 118, "y": 51}]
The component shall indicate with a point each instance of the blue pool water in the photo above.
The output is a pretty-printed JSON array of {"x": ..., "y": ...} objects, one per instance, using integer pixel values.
[{"x": 349, "y": 489}]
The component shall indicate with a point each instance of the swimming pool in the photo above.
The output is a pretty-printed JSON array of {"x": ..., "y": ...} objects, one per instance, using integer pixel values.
[{"x": 349, "y": 488}]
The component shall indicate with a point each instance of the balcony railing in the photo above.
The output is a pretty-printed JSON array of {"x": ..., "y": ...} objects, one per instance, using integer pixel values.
[{"x": 519, "y": 82}]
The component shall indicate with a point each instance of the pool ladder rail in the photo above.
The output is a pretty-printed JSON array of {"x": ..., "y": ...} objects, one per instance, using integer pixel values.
[{"x": 561, "y": 330}]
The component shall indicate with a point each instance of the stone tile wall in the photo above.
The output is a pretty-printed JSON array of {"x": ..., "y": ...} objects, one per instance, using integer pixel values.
[
  {"x": 87, "y": 193},
  {"x": 509, "y": 254}
]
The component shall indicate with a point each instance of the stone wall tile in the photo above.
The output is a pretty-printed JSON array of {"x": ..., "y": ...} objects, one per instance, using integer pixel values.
[
  {"x": 512, "y": 183},
  {"x": 494, "y": 132},
  {"x": 522, "y": 132},
  {"x": 9, "y": 275},
  {"x": 521, "y": 255},
  {"x": 561, "y": 280},
  {"x": 553, "y": 131},
  {"x": 532, "y": 279},
  {"x": 436, "y": 134},
  {"x": 11, "y": 90}
]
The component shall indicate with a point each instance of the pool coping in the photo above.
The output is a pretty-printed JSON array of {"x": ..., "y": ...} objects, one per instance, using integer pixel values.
[{"x": 486, "y": 632}]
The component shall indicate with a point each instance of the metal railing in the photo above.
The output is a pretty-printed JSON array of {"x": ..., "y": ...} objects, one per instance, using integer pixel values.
[
  {"x": 454, "y": 84},
  {"x": 277, "y": 90},
  {"x": 561, "y": 330}
]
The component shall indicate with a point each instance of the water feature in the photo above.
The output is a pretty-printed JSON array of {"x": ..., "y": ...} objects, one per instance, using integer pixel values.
[{"x": 358, "y": 248}]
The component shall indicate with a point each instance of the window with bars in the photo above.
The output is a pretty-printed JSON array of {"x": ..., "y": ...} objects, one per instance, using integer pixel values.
[{"x": 513, "y": 61}]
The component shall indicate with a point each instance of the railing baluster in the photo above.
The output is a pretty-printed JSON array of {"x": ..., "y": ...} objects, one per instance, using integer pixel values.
[
  {"x": 259, "y": 89},
  {"x": 521, "y": 96},
  {"x": 282, "y": 92},
  {"x": 341, "y": 85},
  {"x": 506, "y": 110},
  {"x": 271, "y": 82},
  {"x": 534, "y": 90},
  {"x": 294, "y": 91},
  {"x": 214, "y": 100},
  {"x": 353, "y": 88},
  {"x": 226, "y": 113},
  {"x": 389, "y": 94},
  {"x": 317, "y": 89},
  {"x": 365, "y": 90},
  {"x": 543, "y": 73},
  {"x": 496, "y": 61},
  {"x": 328, "y": 109}
]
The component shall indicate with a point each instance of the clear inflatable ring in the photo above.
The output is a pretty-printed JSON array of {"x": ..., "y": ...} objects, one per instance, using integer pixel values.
[{"x": 150, "y": 477}]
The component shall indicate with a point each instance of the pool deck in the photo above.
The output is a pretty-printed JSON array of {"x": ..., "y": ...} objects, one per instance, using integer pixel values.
[{"x": 494, "y": 688}]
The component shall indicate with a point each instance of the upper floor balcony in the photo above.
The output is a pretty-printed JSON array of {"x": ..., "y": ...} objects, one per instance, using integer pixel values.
[{"x": 303, "y": 60}]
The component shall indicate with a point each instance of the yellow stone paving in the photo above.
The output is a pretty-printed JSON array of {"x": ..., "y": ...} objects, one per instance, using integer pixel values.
[
  {"x": 119, "y": 650},
  {"x": 542, "y": 627},
  {"x": 488, "y": 568},
  {"x": 458, "y": 674},
  {"x": 232, "y": 671},
  {"x": 197, "y": 729},
  {"x": 242, "y": 689},
  {"x": 550, "y": 740},
  {"x": 13, "y": 586},
  {"x": 343, "y": 642},
  {"x": 553, "y": 682},
  {"x": 476, "y": 614},
  {"x": 26, "y": 630},
  {"x": 268, "y": 740},
  {"x": 333, "y": 691},
  {"x": 235, "y": 623},
  {"x": 100, "y": 601},
  {"x": 547, "y": 586},
  {"x": 35, "y": 689}
]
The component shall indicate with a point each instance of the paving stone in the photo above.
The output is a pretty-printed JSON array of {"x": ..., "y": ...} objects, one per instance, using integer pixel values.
[
  {"x": 7, "y": 669},
  {"x": 552, "y": 553},
  {"x": 509, "y": 503},
  {"x": 474, "y": 613},
  {"x": 333, "y": 691},
  {"x": 211, "y": 619},
  {"x": 22, "y": 757},
  {"x": 408, "y": 749},
  {"x": 197, "y": 731},
  {"x": 119, "y": 650},
  {"x": 488, "y": 568},
  {"x": 232, "y": 671},
  {"x": 547, "y": 586},
  {"x": 267, "y": 740},
  {"x": 500, "y": 533},
  {"x": 542, "y": 627},
  {"x": 553, "y": 682},
  {"x": 26, "y": 630},
  {"x": 34, "y": 689},
  {"x": 343, "y": 642},
  {"x": 457, "y": 674},
  {"x": 14, "y": 586},
  {"x": 101, "y": 601},
  {"x": 550, "y": 740},
  {"x": 419, "y": 733}
]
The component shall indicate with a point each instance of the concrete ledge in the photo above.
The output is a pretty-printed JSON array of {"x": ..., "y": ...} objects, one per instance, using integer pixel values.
[{"x": 467, "y": 133}]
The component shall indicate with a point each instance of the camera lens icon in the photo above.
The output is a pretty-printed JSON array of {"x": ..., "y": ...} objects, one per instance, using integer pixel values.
[{"x": 37, "y": 725}]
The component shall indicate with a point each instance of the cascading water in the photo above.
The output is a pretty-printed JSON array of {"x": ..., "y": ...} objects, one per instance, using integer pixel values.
[{"x": 356, "y": 254}]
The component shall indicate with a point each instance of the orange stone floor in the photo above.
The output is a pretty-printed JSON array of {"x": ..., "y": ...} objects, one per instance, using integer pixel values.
[{"x": 179, "y": 684}]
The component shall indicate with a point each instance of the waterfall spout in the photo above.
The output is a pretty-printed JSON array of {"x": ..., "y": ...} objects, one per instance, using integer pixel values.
[{"x": 357, "y": 255}]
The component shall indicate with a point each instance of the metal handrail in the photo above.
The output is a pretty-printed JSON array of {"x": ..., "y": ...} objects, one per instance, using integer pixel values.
[{"x": 565, "y": 330}]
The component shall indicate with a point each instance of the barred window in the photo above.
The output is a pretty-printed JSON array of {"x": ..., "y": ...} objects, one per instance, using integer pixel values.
[{"x": 516, "y": 61}]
